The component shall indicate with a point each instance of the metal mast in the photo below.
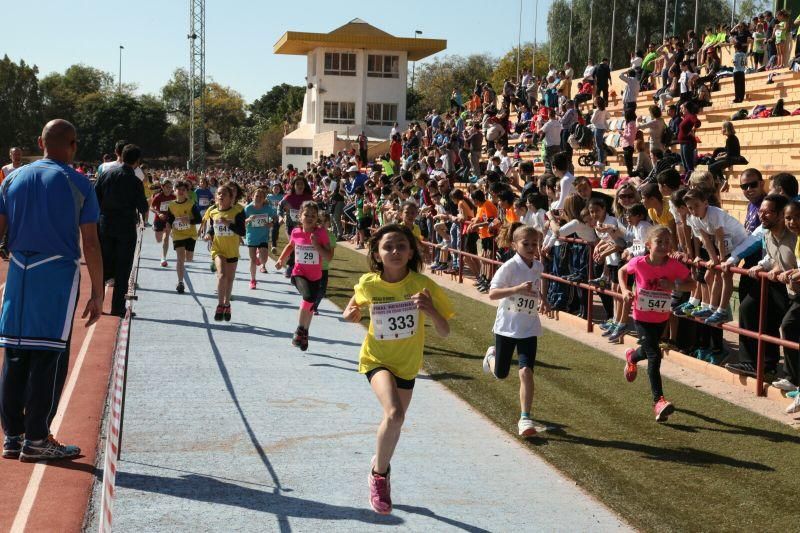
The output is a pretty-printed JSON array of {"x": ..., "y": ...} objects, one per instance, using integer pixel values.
[{"x": 197, "y": 84}]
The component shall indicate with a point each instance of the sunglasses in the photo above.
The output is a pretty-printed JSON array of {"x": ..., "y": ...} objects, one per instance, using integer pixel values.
[
  {"x": 749, "y": 185},
  {"x": 626, "y": 196}
]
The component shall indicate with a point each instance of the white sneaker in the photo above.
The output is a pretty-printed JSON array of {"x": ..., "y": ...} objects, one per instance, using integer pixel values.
[
  {"x": 794, "y": 407},
  {"x": 444, "y": 245},
  {"x": 526, "y": 427},
  {"x": 784, "y": 384},
  {"x": 598, "y": 164},
  {"x": 486, "y": 358}
]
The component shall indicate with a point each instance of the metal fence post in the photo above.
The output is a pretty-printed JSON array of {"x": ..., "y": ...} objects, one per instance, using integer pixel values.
[{"x": 762, "y": 304}]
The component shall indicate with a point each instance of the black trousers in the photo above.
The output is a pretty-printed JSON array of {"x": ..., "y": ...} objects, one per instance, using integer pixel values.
[
  {"x": 776, "y": 307},
  {"x": 790, "y": 330},
  {"x": 738, "y": 86},
  {"x": 118, "y": 247},
  {"x": 30, "y": 389},
  {"x": 650, "y": 337},
  {"x": 602, "y": 90}
]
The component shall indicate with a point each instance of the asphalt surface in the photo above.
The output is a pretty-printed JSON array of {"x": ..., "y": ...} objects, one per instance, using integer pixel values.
[{"x": 229, "y": 427}]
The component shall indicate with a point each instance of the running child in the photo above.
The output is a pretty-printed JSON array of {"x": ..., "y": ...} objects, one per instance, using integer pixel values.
[
  {"x": 391, "y": 355},
  {"x": 258, "y": 219},
  {"x": 225, "y": 222},
  {"x": 182, "y": 216},
  {"x": 274, "y": 199},
  {"x": 159, "y": 205},
  {"x": 656, "y": 274},
  {"x": 324, "y": 221},
  {"x": 311, "y": 246},
  {"x": 519, "y": 284},
  {"x": 203, "y": 196}
]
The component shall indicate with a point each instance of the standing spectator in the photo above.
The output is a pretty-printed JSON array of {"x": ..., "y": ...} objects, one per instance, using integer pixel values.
[
  {"x": 686, "y": 137},
  {"x": 739, "y": 64},
  {"x": 122, "y": 199},
  {"x": 599, "y": 120},
  {"x": 628, "y": 141},
  {"x": 552, "y": 139},
  {"x": 362, "y": 149},
  {"x": 631, "y": 91},
  {"x": 474, "y": 141},
  {"x": 602, "y": 76},
  {"x": 15, "y": 154},
  {"x": 45, "y": 206}
]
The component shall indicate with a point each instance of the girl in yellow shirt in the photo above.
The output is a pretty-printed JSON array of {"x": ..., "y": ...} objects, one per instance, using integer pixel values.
[
  {"x": 226, "y": 223},
  {"x": 398, "y": 297}
]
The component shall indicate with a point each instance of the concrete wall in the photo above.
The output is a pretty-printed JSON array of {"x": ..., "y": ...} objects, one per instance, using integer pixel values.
[{"x": 359, "y": 89}]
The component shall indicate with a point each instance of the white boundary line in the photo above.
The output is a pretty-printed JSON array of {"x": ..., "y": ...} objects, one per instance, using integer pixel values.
[{"x": 29, "y": 497}]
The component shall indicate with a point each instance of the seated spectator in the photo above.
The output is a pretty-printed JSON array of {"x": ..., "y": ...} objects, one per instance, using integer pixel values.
[
  {"x": 785, "y": 184},
  {"x": 728, "y": 156}
]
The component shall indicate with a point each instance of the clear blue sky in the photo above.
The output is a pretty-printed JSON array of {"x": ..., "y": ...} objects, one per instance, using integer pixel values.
[{"x": 239, "y": 34}]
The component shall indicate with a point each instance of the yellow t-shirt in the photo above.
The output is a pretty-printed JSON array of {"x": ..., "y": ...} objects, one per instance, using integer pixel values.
[
  {"x": 664, "y": 218},
  {"x": 417, "y": 232},
  {"x": 178, "y": 210},
  {"x": 396, "y": 336},
  {"x": 226, "y": 241}
]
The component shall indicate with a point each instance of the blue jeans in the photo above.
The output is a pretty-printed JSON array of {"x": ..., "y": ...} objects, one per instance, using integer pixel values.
[
  {"x": 687, "y": 156},
  {"x": 455, "y": 241},
  {"x": 600, "y": 145}
]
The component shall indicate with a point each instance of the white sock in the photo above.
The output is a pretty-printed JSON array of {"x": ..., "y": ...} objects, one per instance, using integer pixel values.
[
  {"x": 722, "y": 310},
  {"x": 694, "y": 301}
]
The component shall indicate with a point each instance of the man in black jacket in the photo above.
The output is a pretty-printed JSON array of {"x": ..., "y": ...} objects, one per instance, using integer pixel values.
[
  {"x": 122, "y": 202},
  {"x": 602, "y": 76}
]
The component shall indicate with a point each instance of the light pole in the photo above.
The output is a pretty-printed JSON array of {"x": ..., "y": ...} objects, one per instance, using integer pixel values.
[
  {"x": 638, "y": 13},
  {"x": 733, "y": 13},
  {"x": 519, "y": 40},
  {"x": 591, "y": 16},
  {"x": 675, "y": 18},
  {"x": 613, "y": 19},
  {"x": 664, "y": 33},
  {"x": 535, "y": 37},
  {"x": 569, "y": 40},
  {"x": 119, "y": 79},
  {"x": 414, "y": 64},
  {"x": 696, "y": 6}
]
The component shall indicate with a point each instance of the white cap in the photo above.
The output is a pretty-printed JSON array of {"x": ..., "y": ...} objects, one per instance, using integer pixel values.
[{"x": 353, "y": 169}]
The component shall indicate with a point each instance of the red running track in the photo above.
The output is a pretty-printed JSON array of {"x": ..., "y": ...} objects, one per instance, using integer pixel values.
[{"x": 57, "y": 498}]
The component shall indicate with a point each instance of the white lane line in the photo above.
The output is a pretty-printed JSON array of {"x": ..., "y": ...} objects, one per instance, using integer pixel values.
[{"x": 28, "y": 499}]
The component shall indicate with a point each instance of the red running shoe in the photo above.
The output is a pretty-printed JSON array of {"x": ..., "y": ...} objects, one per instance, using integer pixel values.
[
  {"x": 380, "y": 498},
  {"x": 226, "y": 313},
  {"x": 663, "y": 409},
  {"x": 630, "y": 366},
  {"x": 219, "y": 313}
]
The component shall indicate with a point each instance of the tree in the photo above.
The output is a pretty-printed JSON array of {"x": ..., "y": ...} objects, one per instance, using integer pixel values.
[
  {"x": 255, "y": 146},
  {"x": 175, "y": 95},
  {"x": 281, "y": 104},
  {"x": 650, "y": 26},
  {"x": 437, "y": 79},
  {"x": 102, "y": 119},
  {"x": 750, "y": 8},
  {"x": 20, "y": 106},
  {"x": 62, "y": 93},
  {"x": 507, "y": 66}
]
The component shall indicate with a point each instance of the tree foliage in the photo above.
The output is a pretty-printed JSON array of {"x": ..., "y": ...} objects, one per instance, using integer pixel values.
[
  {"x": 280, "y": 104},
  {"x": 435, "y": 80},
  {"x": 651, "y": 26},
  {"x": 20, "y": 105},
  {"x": 507, "y": 65}
]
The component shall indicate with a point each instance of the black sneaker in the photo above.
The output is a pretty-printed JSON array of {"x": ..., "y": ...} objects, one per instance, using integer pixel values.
[
  {"x": 12, "y": 446},
  {"x": 298, "y": 333},
  {"x": 220, "y": 311},
  {"x": 180, "y": 288},
  {"x": 743, "y": 369},
  {"x": 304, "y": 339},
  {"x": 226, "y": 313},
  {"x": 48, "y": 449}
]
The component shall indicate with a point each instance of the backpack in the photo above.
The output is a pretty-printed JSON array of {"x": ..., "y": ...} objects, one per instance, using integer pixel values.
[
  {"x": 609, "y": 179},
  {"x": 739, "y": 115}
]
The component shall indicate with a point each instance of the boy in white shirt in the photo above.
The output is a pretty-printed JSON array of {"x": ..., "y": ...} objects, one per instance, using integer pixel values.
[{"x": 720, "y": 233}]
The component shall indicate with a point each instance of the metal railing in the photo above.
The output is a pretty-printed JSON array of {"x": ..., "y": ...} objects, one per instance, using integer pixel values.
[
  {"x": 116, "y": 394},
  {"x": 759, "y": 336}
]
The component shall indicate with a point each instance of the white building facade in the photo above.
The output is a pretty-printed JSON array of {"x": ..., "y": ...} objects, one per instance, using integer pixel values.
[{"x": 356, "y": 81}]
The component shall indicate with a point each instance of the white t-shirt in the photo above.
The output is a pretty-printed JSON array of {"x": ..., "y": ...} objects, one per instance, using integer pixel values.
[
  {"x": 684, "y": 80},
  {"x": 733, "y": 231},
  {"x": 518, "y": 316},
  {"x": 535, "y": 219},
  {"x": 566, "y": 190},
  {"x": 6, "y": 170},
  {"x": 139, "y": 173},
  {"x": 611, "y": 259},
  {"x": 583, "y": 231},
  {"x": 552, "y": 133},
  {"x": 637, "y": 236}
]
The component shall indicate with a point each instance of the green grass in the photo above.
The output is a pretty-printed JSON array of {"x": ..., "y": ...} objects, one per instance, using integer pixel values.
[{"x": 712, "y": 467}]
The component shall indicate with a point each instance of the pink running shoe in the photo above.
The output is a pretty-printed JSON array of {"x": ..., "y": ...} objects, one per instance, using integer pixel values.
[
  {"x": 252, "y": 284},
  {"x": 164, "y": 263},
  {"x": 663, "y": 409},
  {"x": 380, "y": 498},
  {"x": 630, "y": 366}
]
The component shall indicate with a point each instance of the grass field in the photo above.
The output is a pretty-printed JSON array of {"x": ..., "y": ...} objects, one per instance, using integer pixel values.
[{"x": 712, "y": 467}]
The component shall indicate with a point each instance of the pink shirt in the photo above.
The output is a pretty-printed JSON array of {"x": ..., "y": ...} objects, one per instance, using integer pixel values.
[
  {"x": 648, "y": 294},
  {"x": 307, "y": 261}
]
